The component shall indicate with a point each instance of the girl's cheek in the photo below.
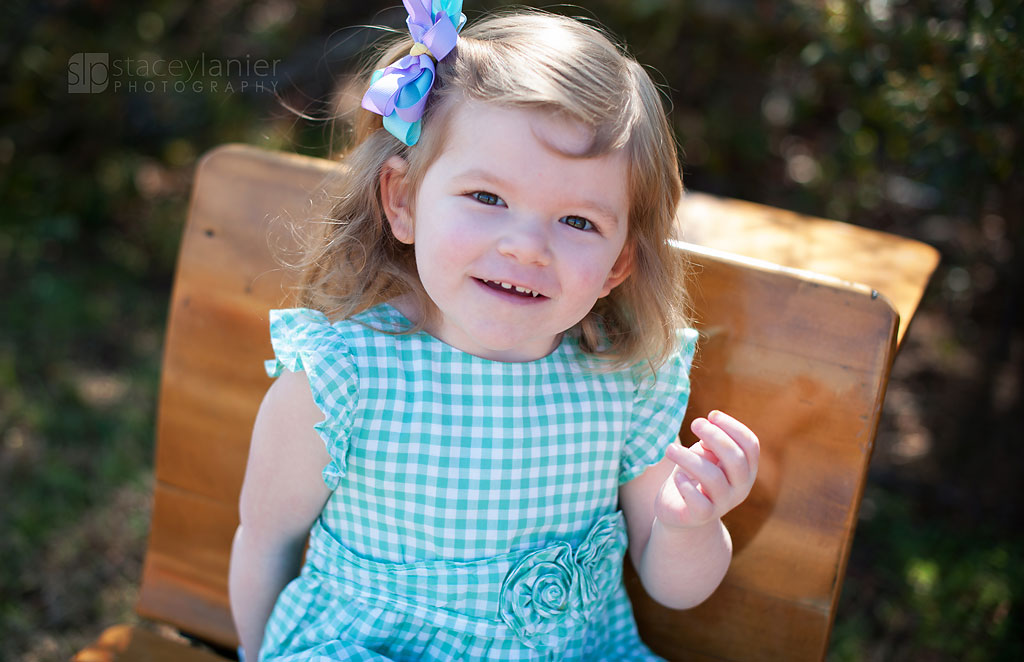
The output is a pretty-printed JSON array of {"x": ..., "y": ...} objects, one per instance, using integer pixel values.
[
  {"x": 595, "y": 262},
  {"x": 466, "y": 231},
  {"x": 458, "y": 218}
]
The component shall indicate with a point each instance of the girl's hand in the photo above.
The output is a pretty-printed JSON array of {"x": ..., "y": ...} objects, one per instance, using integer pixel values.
[{"x": 711, "y": 477}]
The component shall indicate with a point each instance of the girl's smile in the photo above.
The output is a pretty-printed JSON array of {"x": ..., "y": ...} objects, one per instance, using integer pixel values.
[
  {"x": 515, "y": 237},
  {"x": 510, "y": 289}
]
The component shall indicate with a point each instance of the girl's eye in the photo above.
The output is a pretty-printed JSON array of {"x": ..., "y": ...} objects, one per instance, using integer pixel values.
[
  {"x": 487, "y": 198},
  {"x": 577, "y": 222}
]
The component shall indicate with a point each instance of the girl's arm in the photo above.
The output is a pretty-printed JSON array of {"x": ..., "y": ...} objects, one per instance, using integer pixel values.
[
  {"x": 677, "y": 541},
  {"x": 282, "y": 496}
]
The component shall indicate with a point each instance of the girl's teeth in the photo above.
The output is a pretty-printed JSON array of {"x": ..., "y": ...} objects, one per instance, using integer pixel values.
[{"x": 509, "y": 286}]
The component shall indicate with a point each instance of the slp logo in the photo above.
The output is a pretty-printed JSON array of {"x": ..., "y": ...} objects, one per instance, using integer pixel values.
[{"x": 88, "y": 72}]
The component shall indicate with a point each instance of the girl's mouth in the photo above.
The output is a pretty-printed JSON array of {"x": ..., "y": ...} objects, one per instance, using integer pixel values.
[{"x": 509, "y": 288}]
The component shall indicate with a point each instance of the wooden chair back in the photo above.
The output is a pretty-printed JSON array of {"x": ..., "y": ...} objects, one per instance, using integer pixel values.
[{"x": 804, "y": 360}]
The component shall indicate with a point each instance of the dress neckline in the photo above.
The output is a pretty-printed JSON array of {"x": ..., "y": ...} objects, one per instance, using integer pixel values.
[{"x": 386, "y": 310}]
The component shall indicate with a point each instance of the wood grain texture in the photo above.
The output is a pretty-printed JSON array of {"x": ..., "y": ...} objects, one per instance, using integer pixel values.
[
  {"x": 898, "y": 267},
  {"x": 124, "y": 643},
  {"x": 803, "y": 359}
]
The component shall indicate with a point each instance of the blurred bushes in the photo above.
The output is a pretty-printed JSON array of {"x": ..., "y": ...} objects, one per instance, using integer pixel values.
[{"x": 902, "y": 115}]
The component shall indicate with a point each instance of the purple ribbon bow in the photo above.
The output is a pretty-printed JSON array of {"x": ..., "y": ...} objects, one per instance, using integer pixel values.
[{"x": 399, "y": 91}]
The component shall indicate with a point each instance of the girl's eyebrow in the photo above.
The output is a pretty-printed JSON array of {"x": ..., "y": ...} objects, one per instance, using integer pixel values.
[
  {"x": 480, "y": 173},
  {"x": 601, "y": 208}
]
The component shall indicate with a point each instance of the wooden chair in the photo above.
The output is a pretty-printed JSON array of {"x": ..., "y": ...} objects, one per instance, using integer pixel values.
[{"x": 802, "y": 357}]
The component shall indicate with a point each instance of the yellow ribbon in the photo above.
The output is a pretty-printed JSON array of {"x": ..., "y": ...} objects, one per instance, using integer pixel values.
[{"x": 420, "y": 49}]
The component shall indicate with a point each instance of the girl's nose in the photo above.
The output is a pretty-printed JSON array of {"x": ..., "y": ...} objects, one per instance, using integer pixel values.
[{"x": 526, "y": 241}]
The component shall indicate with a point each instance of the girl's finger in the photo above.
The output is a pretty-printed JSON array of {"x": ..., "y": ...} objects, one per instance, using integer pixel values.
[
  {"x": 712, "y": 479},
  {"x": 732, "y": 460},
  {"x": 741, "y": 434},
  {"x": 697, "y": 506},
  {"x": 704, "y": 451}
]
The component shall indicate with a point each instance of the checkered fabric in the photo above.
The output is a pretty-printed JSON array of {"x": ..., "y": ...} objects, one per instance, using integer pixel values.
[{"x": 446, "y": 470}]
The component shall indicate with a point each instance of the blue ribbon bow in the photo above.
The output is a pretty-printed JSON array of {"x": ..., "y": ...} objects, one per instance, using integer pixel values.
[{"x": 399, "y": 91}]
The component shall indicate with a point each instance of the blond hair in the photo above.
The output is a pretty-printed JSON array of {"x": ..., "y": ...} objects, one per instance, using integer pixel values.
[{"x": 530, "y": 60}]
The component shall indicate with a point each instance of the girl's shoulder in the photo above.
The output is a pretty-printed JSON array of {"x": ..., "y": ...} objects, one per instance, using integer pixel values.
[
  {"x": 299, "y": 335},
  {"x": 315, "y": 323},
  {"x": 687, "y": 347},
  {"x": 675, "y": 369}
]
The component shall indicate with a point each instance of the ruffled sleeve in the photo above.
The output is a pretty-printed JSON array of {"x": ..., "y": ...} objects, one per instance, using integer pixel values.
[
  {"x": 305, "y": 341},
  {"x": 659, "y": 405}
]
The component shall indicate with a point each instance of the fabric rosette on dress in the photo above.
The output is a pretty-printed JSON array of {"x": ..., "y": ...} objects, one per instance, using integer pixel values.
[
  {"x": 599, "y": 558},
  {"x": 551, "y": 592}
]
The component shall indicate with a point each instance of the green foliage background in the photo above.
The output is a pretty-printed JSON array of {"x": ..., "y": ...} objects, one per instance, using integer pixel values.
[{"x": 902, "y": 115}]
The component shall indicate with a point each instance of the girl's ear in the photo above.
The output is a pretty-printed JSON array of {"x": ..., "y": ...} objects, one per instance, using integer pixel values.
[
  {"x": 394, "y": 197},
  {"x": 620, "y": 270}
]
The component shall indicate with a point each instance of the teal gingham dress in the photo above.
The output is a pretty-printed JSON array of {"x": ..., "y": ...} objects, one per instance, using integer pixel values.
[{"x": 474, "y": 512}]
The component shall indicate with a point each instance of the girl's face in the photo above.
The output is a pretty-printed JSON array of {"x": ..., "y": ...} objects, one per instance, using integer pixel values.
[{"x": 514, "y": 240}]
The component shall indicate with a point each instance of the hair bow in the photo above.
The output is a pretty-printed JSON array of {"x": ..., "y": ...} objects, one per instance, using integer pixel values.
[{"x": 399, "y": 91}]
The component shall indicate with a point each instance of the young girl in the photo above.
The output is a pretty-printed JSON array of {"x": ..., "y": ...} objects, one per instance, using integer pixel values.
[{"x": 477, "y": 412}]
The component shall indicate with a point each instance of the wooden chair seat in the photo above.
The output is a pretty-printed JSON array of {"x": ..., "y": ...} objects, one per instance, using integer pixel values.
[
  {"x": 126, "y": 642},
  {"x": 802, "y": 357}
]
